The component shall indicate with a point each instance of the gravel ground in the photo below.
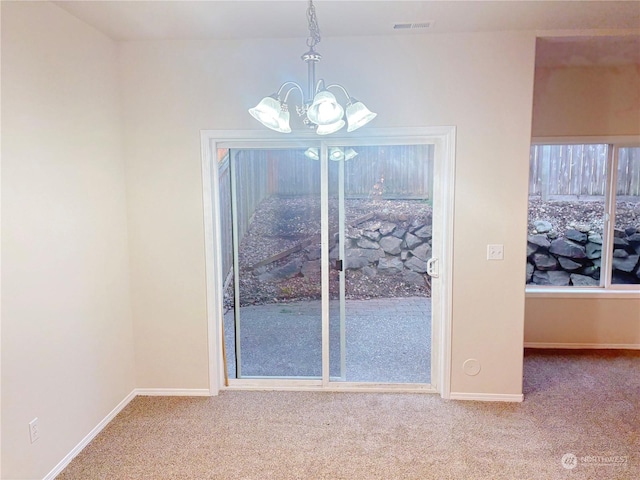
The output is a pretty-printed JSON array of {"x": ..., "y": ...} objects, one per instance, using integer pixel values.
[{"x": 564, "y": 215}]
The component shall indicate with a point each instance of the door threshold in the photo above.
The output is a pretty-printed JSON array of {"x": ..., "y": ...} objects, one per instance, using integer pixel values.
[{"x": 307, "y": 385}]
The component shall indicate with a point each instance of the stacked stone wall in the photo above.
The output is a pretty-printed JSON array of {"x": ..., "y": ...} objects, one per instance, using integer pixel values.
[{"x": 575, "y": 258}]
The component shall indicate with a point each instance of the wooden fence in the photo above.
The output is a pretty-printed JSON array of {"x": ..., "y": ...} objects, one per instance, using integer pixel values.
[
  {"x": 580, "y": 170},
  {"x": 391, "y": 172},
  {"x": 252, "y": 180}
]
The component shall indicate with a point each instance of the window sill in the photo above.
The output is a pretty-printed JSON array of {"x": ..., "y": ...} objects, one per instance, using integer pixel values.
[{"x": 571, "y": 292}]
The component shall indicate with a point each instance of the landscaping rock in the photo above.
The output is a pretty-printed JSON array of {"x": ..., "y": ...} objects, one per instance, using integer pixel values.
[
  {"x": 530, "y": 269},
  {"x": 423, "y": 252},
  {"x": 386, "y": 228},
  {"x": 371, "y": 225},
  {"x": 576, "y": 236},
  {"x": 626, "y": 264},
  {"x": 620, "y": 253},
  {"x": 593, "y": 250},
  {"x": 390, "y": 265},
  {"x": 539, "y": 240},
  {"x": 361, "y": 257},
  {"x": 350, "y": 233},
  {"x": 540, "y": 278},
  {"x": 399, "y": 232},
  {"x": 375, "y": 235},
  {"x": 411, "y": 241},
  {"x": 559, "y": 278},
  {"x": 391, "y": 245},
  {"x": 424, "y": 232},
  {"x": 595, "y": 238},
  {"x": 567, "y": 248},
  {"x": 531, "y": 249},
  {"x": 568, "y": 264},
  {"x": 542, "y": 226},
  {"x": 416, "y": 224},
  {"x": 620, "y": 242},
  {"x": 634, "y": 238},
  {"x": 416, "y": 265},
  {"x": 544, "y": 261},
  {"x": 591, "y": 271},
  {"x": 365, "y": 243},
  {"x": 578, "y": 280}
]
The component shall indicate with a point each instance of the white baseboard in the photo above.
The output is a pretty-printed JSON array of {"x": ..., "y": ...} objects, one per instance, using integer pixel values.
[
  {"x": 589, "y": 346},
  {"x": 173, "y": 392},
  {"x": 187, "y": 392},
  {"x": 487, "y": 397},
  {"x": 90, "y": 436}
]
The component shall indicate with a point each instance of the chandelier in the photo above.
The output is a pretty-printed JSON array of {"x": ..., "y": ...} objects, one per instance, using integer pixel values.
[{"x": 319, "y": 110}]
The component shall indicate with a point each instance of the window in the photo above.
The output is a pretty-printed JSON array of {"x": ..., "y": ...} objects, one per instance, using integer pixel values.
[{"x": 584, "y": 216}]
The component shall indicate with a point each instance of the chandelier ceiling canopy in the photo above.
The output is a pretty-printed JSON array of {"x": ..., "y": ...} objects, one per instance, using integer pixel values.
[{"x": 319, "y": 109}]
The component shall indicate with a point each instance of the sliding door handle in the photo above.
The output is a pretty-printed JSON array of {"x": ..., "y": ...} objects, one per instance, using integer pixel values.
[{"x": 432, "y": 267}]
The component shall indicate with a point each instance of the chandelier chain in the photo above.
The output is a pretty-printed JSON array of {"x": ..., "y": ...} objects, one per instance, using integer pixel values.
[{"x": 314, "y": 29}]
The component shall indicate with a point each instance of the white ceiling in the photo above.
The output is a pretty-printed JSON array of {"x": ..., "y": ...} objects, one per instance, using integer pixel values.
[
  {"x": 153, "y": 20},
  {"x": 224, "y": 19}
]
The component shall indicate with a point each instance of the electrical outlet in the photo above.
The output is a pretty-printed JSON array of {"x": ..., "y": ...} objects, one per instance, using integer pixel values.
[
  {"x": 495, "y": 252},
  {"x": 34, "y": 430}
]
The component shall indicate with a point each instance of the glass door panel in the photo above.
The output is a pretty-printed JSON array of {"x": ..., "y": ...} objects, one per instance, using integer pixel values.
[
  {"x": 380, "y": 221},
  {"x": 379, "y": 229},
  {"x": 270, "y": 202},
  {"x": 625, "y": 264}
]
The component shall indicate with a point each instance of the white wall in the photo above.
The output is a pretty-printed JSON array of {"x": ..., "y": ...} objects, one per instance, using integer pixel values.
[
  {"x": 482, "y": 83},
  {"x": 578, "y": 101},
  {"x": 67, "y": 339},
  {"x": 573, "y": 102},
  {"x": 608, "y": 322}
]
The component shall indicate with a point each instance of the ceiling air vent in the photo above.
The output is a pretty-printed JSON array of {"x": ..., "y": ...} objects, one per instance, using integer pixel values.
[{"x": 412, "y": 26}]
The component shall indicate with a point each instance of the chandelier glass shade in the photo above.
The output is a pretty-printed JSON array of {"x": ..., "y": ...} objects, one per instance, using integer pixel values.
[
  {"x": 271, "y": 114},
  {"x": 319, "y": 109},
  {"x": 335, "y": 153},
  {"x": 325, "y": 109}
]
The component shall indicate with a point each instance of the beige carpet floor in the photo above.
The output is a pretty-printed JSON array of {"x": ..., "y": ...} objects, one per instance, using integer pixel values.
[{"x": 581, "y": 403}]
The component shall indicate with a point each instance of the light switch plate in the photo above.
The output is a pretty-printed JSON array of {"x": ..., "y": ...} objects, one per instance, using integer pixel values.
[
  {"x": 34, "y": 430},
  {"x": 495, "y": 252}
]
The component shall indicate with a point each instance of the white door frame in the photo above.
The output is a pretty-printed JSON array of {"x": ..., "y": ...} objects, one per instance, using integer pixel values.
[{"x": 443, "y": 139}]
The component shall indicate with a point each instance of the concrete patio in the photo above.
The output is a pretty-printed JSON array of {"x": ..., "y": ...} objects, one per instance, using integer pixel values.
[{"x": 388, "y": 340}]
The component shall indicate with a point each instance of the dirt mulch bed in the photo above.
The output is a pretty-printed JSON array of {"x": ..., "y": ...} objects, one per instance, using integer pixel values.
[
  {"x": 565, "y": 215},
  {"x": 282, "y": 223}
]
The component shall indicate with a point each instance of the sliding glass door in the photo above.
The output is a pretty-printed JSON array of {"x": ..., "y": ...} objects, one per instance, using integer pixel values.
[
  {"x": 270, "y": 203},
  {"x": 325, "y": 252},
  {"x": 381, "y": 235}
]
